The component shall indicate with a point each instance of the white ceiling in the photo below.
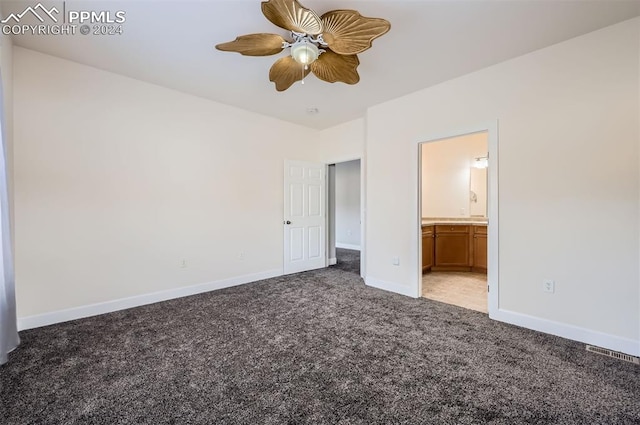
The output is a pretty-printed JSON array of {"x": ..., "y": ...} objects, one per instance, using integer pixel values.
[{"x": 171, "y": 43}]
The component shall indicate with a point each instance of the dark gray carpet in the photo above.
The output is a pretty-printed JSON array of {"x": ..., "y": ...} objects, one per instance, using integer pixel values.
[
  {"x": 347, "y": 260},
  {"x": 311, "y": 348}
]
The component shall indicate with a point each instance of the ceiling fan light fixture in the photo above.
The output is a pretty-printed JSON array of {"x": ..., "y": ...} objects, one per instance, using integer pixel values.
[
  {"x": 325, "y": 45},
  {"x": 304, "y": 52}
]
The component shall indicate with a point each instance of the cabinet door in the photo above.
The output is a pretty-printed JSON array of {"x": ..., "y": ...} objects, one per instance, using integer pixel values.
[
  {"x": 480, "y": 249},
  {"x": 452, "y": 249},
  {"x": 427, "y": 248}
]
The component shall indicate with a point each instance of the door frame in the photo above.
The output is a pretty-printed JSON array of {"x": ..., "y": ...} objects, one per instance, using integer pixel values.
[
  {"x": 362, "y": 208},
  {"x": 493, "y": 252}
]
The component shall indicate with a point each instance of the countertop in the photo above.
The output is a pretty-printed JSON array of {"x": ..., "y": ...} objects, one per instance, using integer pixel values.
[{"x": 431, "y": 221}]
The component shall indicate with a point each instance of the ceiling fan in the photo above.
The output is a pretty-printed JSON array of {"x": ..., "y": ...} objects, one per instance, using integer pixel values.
[{"x": 325, "y": 45}]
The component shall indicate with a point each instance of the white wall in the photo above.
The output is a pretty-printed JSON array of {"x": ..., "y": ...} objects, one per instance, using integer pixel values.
[
  {"x": 568, "y": 182},
  {"x": 117, "y": 181},
  {"x": 446, "y": 174},
  {"x": 343, "y": 142},
  {"x": 347, "y": 204}
]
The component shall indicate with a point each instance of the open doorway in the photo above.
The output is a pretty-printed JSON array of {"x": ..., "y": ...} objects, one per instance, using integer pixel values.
[
  {"x": 454, "y": 220},
  {"x": 345, "y": 215}
]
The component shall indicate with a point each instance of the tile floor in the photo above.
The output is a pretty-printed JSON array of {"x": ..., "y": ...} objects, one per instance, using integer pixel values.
[{"x": 464, "y": 289}]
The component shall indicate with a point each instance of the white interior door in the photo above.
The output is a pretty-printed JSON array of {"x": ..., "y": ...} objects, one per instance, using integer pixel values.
[{"x": 304, "y": 216}]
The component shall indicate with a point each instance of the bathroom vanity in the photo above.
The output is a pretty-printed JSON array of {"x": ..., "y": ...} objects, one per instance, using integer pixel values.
[{"x": 454, "y": 246}]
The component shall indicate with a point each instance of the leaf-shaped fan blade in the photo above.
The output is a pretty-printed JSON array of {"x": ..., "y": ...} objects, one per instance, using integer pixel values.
[
  {"x": 349, "y": 33},
  {"x": 285, "y": 72},
  {"x": 332, "y": 67},
  {"x": 292, "y": 16},
  {"x": 254, "y": 44}
]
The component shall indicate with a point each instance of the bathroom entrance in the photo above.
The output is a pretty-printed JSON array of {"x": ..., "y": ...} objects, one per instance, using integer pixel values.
[{"x": 454, "y": 226}]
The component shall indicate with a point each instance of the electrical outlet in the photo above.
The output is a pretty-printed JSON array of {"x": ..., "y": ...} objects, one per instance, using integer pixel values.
[
  {"x": 183, "y": 263},
  {"x": 241, "y": 256},
  {"x": 549, "y": 286},
  {"x": 396, "y": 261},
  {"x": 348, "y": 232}
]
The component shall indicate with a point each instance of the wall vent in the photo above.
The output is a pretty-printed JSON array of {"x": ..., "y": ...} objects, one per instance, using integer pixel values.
[{"x": 614, "y": 354}]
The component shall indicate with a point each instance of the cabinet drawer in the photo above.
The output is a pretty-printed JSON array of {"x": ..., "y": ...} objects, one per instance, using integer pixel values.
[
  {"x": 480, "y": 230},
  {"x": 452, "y": 228},
  {"x": 427, "y": 230}
]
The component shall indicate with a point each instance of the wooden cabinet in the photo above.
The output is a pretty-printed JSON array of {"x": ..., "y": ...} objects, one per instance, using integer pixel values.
[
  {"x": 479, "y": 249},
  {"x": 427, "y": 248},
  {"x": 452, "y": 247}
]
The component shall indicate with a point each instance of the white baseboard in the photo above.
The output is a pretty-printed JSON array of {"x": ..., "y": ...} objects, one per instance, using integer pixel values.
[
  {"x": 390, "y": 286},
  {"x": 74, "y": 313},
  {"x": 347, "y": 246},
  {"x": 333, "y": 261},
  {"x": 576, "y": 333}
]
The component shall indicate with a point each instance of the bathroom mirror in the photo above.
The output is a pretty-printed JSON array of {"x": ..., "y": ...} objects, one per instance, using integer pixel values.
[
  {"x": 454, "y": 177},
  {"x": 478, "y": 192}
]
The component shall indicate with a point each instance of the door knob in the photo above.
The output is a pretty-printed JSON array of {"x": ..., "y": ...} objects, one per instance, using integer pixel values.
[{"x": 287, "y": 222}]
